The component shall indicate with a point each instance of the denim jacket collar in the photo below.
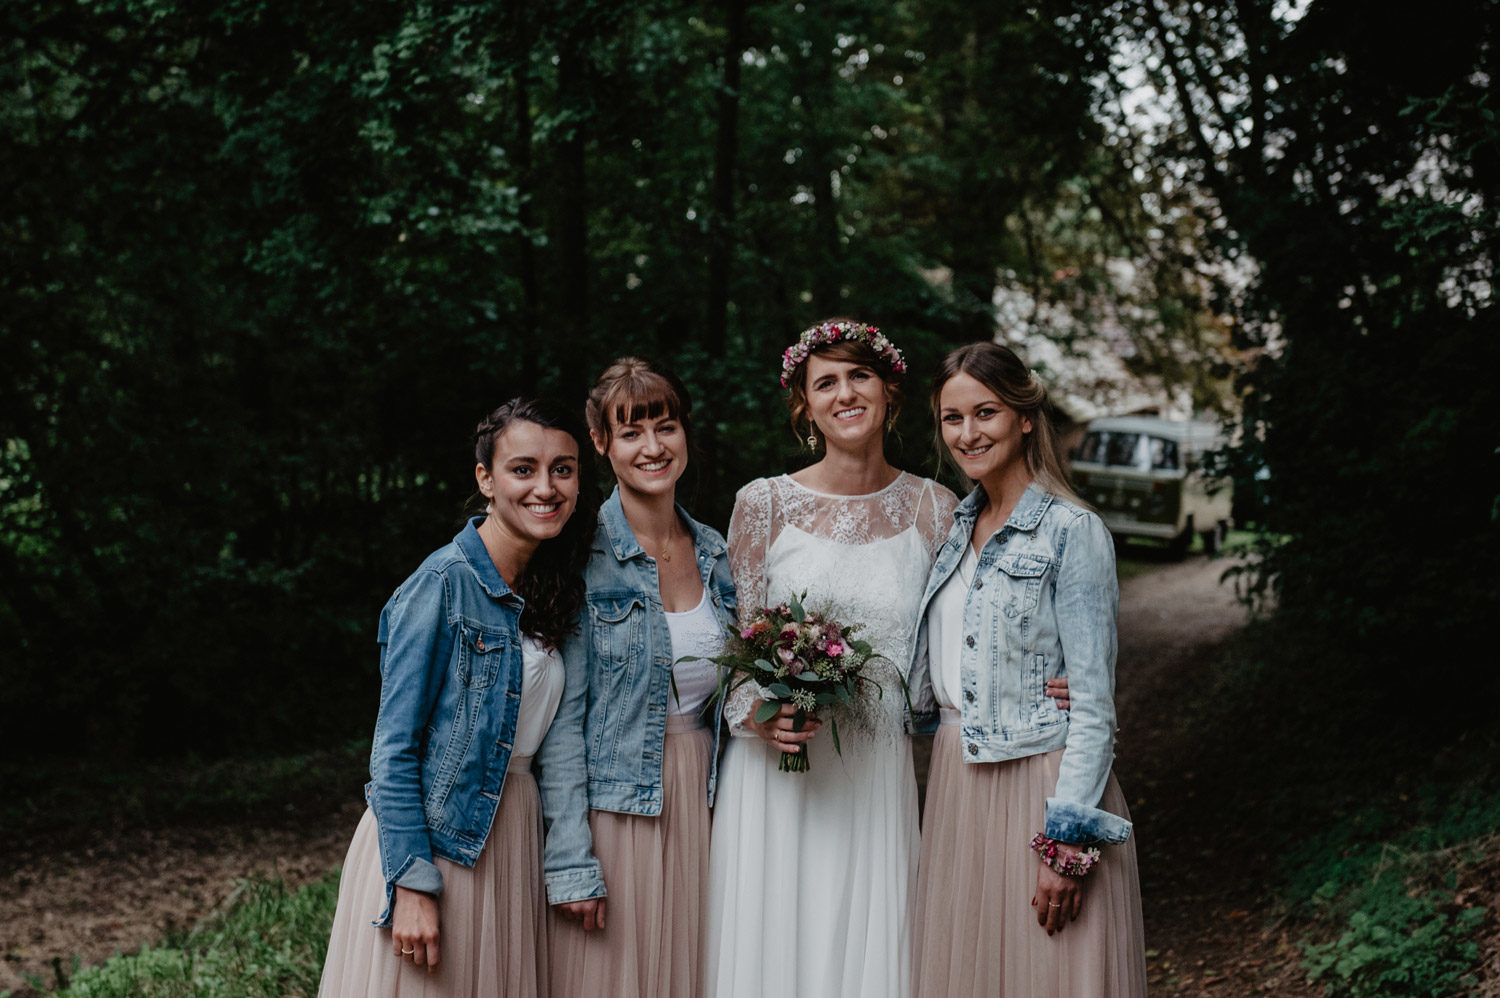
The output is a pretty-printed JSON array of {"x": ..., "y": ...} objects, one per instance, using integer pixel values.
[
  {"x": 1028, "y": 512},
  {"x": 622, "y": 539},
  {"x": 478, "y": 556}
]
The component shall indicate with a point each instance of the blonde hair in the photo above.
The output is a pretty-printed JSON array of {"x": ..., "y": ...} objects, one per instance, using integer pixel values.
[{"x": 999, "y": 369}]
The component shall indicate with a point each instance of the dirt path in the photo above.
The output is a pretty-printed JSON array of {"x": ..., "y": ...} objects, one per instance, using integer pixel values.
[
  {"x": 1207, "y": 932},
  {"x": 1210, "y": 925}
]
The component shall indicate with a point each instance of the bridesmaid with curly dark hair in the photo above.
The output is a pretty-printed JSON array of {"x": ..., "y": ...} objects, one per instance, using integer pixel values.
[{"x": 442, "y": 891}]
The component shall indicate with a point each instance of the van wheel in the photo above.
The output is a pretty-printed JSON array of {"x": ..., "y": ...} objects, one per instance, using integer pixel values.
[
  {"x": 1213, "y": 539},
  {"x": 1178, "y": 546}
]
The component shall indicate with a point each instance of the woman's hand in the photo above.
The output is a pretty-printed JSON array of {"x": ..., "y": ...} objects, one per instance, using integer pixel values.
[
  {"x": 414, "y": 927},
  {"x": 589, "y": 911},
  {"x": 1057, "y": 689},
  {"x": 1058, "y": 899},
  {"x": 778, "y": 731}
]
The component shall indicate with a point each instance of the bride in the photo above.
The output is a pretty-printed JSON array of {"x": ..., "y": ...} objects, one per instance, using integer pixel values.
[{"x": 811, "y": 874}]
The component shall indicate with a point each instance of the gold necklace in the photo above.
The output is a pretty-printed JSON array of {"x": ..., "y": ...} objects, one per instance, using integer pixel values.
[{"x": 666, "y": 553}]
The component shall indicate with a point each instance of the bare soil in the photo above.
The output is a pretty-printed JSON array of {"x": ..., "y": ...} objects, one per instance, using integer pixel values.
[{"x": 1210, "y": 928}]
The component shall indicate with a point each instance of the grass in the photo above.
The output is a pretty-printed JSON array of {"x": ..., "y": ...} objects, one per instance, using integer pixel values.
[{"x": 264, "y": 942}]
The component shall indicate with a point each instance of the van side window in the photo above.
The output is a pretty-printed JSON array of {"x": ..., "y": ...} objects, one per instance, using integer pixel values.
[
  {"x": 1088, "y": 450},
  {"x": 1164, "y": 455},
  {"x": 1121, "y": 448}
]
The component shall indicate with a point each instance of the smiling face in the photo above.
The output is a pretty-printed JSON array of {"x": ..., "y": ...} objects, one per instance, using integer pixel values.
[
  {"x": 532, "y": 483},
  {"x": 845, "y": 400},
  {"x": 648, "y": 454},
  {"x": 985, "y": 436}
]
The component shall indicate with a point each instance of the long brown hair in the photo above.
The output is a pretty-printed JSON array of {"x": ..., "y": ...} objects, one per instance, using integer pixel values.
[{"x": 998, "y": 368}]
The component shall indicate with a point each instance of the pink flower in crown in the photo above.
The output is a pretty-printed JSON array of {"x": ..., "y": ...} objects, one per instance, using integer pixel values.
[{"x": 832, "y": 332}]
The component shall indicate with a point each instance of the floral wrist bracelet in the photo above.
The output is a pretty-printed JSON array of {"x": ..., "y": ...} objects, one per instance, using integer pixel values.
[{"x": 1069, "y": 865}]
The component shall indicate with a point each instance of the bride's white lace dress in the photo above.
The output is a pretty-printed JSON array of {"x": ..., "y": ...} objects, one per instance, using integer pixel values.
[{"x": 812, "y": 874}]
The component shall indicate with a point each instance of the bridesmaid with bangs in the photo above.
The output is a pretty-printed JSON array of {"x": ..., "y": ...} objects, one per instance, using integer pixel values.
[{"x": 628, "y": 770}]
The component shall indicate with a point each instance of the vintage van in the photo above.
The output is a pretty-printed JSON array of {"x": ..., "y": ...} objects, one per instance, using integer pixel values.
[{"x": 1144, "y": 475}]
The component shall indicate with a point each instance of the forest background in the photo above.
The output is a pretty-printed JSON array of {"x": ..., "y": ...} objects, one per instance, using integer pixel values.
[{"x": 263, "y": 266}]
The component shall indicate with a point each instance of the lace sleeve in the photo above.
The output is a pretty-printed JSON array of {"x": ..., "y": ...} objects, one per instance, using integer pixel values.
[
  {"x": 935, "y": 516},
  {"x": 749, "y": 539}
]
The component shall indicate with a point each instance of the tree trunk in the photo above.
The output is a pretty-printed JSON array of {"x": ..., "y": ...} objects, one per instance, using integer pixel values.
[{"x": 721, "y": 225}]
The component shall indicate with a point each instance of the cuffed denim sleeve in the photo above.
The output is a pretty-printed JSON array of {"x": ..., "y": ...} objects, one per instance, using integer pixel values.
[
  {"x": 922, "y": 715},
  {"x": 417, "y": 645},
  {"x": 1070, "y": 822},
  {"x": 422, "y": 876},
  {"x": 1088, "y": 599},
  {"x": 569, "y": 867}
]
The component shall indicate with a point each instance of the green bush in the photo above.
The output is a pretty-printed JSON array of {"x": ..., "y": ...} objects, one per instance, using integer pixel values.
[
  {"x": 1398, "y": 945},
  {"x": 1405, "y": 932}
]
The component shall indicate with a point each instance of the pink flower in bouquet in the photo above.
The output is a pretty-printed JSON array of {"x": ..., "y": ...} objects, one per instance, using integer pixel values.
[{"x": 835, "y": 649}]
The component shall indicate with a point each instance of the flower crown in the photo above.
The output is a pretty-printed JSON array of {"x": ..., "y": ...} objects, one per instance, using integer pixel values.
[{"x": 832, "y": 332}]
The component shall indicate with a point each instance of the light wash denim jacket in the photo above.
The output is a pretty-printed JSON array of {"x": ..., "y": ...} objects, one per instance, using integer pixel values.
[
  {"x": 1043, "y": 604},
  {"x": 604, "y": 750},
  {"x": 450, "y": 689}
]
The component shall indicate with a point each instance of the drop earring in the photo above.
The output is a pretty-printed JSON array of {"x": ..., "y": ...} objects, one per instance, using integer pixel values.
[{"x": 812, "y": 438}]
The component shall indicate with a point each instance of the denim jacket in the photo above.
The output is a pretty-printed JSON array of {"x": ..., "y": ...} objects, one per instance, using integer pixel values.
[
  {"x": 1043, "y": 604},
  {"x": 604, "y": 749},
  {"x": 450, "y": 689}
]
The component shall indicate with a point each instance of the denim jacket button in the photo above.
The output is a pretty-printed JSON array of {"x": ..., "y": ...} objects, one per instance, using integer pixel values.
[
  {"x": 978, "y": 583},
  {"x": 969, "y": 695},
  {"x": 969, "y": 641},
  {"x": 479, "y": 643},
  {"x": 973, "y": 749}
]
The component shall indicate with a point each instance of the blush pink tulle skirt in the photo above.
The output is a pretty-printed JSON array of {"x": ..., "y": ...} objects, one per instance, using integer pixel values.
[
  {"x": 975, "y": 931},
  {"x": 491, "y": 934},
  {"x": 656, "y": 873}
]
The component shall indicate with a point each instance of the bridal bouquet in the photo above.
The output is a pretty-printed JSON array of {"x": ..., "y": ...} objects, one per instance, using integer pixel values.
[{"x": 801, "y": 658}]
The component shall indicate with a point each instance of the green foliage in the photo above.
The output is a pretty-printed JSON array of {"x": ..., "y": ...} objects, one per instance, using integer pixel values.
[
  {"x": 1358, "y": 170},
  {"x": 1402, "y": 930},
  {"x": 263, "y": 267},
  {"x": 266, "y": 942},
  {"x": 1399, "y": 945}
]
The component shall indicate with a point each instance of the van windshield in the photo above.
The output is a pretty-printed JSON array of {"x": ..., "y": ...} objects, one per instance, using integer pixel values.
[{"x": 1138, "y": 451}]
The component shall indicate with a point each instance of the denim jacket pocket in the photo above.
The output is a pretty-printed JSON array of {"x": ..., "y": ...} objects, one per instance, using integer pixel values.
[
  {"x": 480, "y": 655},
  {"x": 617, "y": 626},
  {"x": 1023, "y": 582}
]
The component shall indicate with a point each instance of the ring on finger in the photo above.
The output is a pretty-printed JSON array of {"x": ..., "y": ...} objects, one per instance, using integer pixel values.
[
  {"x": 1054, "y": 904},
  {"x": 408, "y": 952}
]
